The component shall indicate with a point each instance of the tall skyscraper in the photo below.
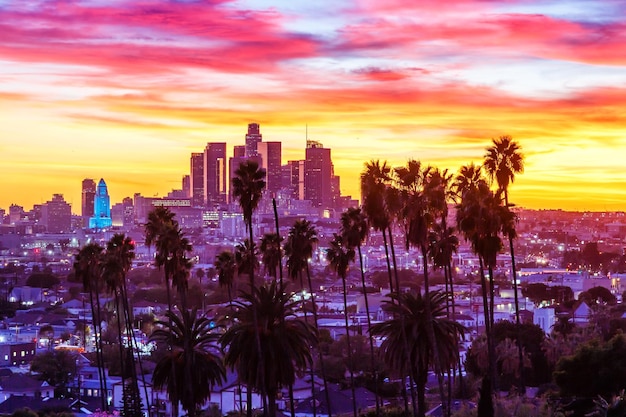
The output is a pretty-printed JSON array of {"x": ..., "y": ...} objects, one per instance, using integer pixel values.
[
  {"x": 270, "y": 153},
  {"x": 102, "y": 208},
  {"x": 88, "y": 195},
  {"x": 56, "y": 215},
  {"x": 317, "y": 175},
  {"x": 253, "y": 137},
  {"x": 215, "y": 173},
  {"x": 196, "y": 179}
]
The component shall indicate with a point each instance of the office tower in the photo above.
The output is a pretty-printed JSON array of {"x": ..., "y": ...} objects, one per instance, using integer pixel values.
[
  {"x": 186, "y": 186},
  {"x": 270, "y": 154},
  {"x": 88, "y": 195},
  {"x": 56, "y": 215},
  {"x": 196, "y": 179},
  {"x": 215, "y": 173},
  {"x": 293, "y": 179},
  {"x": 317, "y": 175},
  {"x": 253, "y": 137},
  {"x": 101, "y": 208}
]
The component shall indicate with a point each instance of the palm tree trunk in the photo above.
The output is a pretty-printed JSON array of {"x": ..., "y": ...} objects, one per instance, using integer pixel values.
[
  {"x": 319, "y": 351},
  {"x": 453, "y": 303},
  {"x": 388, "y": 261},
  {"x": 120, "y": 341},
  {"x": 312, "y": 371},
  {"x": 490, "y": 346},
  {"x": 99, "y": 361},
  {"x": 404, "y": 336},
  {"x": 99, "y": 353},
  {"x": 369, "y": 326},
  {"x": 522, "y": 384},
  {"x": 431, "y": 334},
  {"x": 492, "y": 294},
  {"x": 256, "y": 325},
  {"x": 345, "y": 311}
]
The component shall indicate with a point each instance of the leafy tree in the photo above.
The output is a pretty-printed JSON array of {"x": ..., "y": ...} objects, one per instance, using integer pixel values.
[
  {"x": 56, "y": 367},
  {"x": 598, "y": 296},
  {"x": 595, "y": 369},
  {"x": 41, "y": 280}
]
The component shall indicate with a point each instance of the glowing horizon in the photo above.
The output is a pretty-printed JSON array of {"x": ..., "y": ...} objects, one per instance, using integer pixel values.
[{"x": 126, "y": 90}]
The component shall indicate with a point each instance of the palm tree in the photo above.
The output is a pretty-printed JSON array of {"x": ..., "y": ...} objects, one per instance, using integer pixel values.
[
  {"x": 418, "y": 216},
  {"x": 191, "y": 365},
  {"x": 480, "y": 218},
  {"x": 244, "y": 262},
  {"x": 271, "y": 253},
  {"x": 226, "y": 271},
  {"x": 248, "y": 184},
  {"x": 339, "y": 255},
  {"x": 354, "y": 231},
  {"x": 88, "y": 268},
  {"x": 375, "y": 195},
  {"x": 299, "y": 246},
  {"x": 161, "y": 229},
  {"x": 409, "y": 317},
  {"x": 502, "y": 161},
  {"x": 269, "y": 312}
]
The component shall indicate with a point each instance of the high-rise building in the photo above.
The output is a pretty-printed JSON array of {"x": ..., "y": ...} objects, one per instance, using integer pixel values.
[
  {"x": 270, "y": 153},
  {"x": 196, "y": 179},
  {"x": 317, "y": 175},
  {"x": 56, "y": 215},
  {"x": 253, "y": 137},
  {"x": 16, "y": 213},
  {"x": 101, "y": 208},
  {"x": 293, "y": 179},
  {"x": 215, "y": 173},
  {"x": 88, "y": 195}
]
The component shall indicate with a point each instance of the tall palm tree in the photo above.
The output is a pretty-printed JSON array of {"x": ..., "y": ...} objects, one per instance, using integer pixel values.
[
  {"x": 247, "y": 257},
  {"x": 248, "y": 184},
  {"x": 161, "y": 229},
  {"x": 375, "y": 184},
  {"x": 339, "y": 255},
  {"x": 268, "y": 311},
  {"x": 88, "y": 268},
  {"x": 354, "y": 231},
  {"x": 272, "y": 253},
  {"x": 409, "y": 317},
  {"x": 418, "y": 216},
  {"x": 480, "y": 218},
  {"x": 503, "y": 161},
  {"x": 299, "y": 247},
  {"x": 226, "y": 267},
  {"x": 192, "y": 364}
]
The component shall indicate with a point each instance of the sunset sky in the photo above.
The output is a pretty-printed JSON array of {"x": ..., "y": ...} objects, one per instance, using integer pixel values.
[{"x": 125, "y": 90}]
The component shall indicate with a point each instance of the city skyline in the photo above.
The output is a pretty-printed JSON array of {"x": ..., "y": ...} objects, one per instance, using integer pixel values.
[{"x": 127, "y": 92}]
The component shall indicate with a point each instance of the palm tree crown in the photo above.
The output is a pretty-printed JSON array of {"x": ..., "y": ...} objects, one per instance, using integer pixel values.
[
  {"x": 502, "y": 161},
  {"x": 248, "y": 184},
  {"x": 192, "y": 365}
]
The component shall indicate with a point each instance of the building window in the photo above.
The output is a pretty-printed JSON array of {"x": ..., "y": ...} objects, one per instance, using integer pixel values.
[
  {"x": 14, "y": 353},
  {"x": 23, "y": 354},
  {"x": 6, "y": 357}
]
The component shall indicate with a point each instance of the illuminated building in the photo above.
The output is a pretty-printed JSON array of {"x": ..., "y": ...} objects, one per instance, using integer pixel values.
[{"x": 101, "y": 208}]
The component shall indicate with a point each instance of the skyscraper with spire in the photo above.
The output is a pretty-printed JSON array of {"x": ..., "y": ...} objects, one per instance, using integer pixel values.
[
  {"x": 101, "y": 208},
  {"x": 253, "y": 137}
]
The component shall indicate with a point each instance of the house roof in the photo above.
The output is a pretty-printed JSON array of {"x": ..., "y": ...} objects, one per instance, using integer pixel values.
[
  {"x": 16, "y": 402},
  {"x": 21, "y": 382},
  {"x": 340, "y": 401}
]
